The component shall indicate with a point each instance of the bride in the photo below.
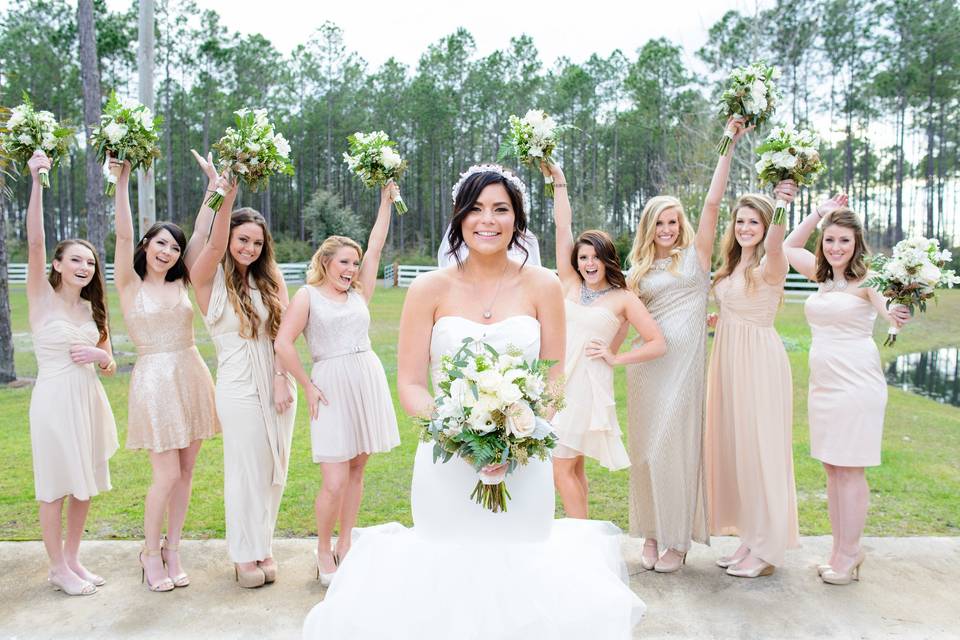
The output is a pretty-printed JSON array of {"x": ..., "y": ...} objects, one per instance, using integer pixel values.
[{"x": 463, "y": 571}]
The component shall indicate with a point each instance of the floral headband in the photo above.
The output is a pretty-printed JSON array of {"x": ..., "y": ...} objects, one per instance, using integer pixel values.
[{"x": 508, "y": 175}]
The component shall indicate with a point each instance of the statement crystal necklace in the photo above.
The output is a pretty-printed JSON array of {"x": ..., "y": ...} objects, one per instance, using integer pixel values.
[
  {"x": 834, "y": 285},
  {"x": 661, "y": 264},
  {"x": 588, "y": 295}
]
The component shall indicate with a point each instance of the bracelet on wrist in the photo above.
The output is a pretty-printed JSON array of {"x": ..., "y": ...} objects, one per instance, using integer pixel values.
[{"x": 560, "y": 185}]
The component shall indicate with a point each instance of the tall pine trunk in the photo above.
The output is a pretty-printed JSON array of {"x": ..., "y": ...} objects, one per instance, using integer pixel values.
[{"x": 90, "y": 79}]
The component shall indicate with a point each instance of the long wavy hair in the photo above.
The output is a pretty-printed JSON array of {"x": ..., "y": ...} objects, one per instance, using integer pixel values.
[
  {"x": 179, "y": 270},
  {"x": 317, "y": 271},
  {"x": 606, "y": 252},
  {"x": 467, "y": 197},
  {"x": 731, "y": 250},
  {"x": 94, "y": 291},
  {"x": 265, "y": 274},
  {"x": 644, "y": 251},
  {"x": 857, "y": 267}
]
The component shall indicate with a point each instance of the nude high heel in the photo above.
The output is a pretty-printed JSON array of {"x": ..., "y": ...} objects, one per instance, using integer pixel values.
[
  {"x": 842, "y": 578},
  {"x": 764, "y": 569},
  {"x": 269, "y": 571},
  {"x": 164, "y": 585},
  {"x": 249, "y": 578},
  {"x": 670, "y": 566},
  {"x": 644, "y": 561},
  {"x": 86, "y": 588},
  {"x": 324, "y": 578},
  {"x": 181, "y": 579}
]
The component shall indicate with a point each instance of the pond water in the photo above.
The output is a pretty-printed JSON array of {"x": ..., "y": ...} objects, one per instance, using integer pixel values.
[{"x": 934, "y": 374}]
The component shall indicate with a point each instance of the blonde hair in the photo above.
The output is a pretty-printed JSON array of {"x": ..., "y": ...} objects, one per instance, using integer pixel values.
[
  {"x": 731, "y": 249},
  {"x": 643, "y": 252},
  {"x": 317, "y": 272}
]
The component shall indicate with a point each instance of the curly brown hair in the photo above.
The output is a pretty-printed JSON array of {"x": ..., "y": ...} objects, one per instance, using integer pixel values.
[
  {"x": 265, "y": 273},
  {"x": 94, "y": 292},
  {"x": 857, "y": 267},
  {"x": 606, "y": 252}
]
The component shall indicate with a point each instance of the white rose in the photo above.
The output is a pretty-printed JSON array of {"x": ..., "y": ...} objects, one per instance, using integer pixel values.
[
  {"x": 536, "y": 152},
  {"x": 16, "y": 118},
  {"x": 507, "y": 361},
  {"x": 535, "y": 386},
  {"x": 461, "y": 394},
  {"x": 508, "y": 393},
  {"x": 534, "y": 117},
  {"x": 260, "y": 118},
  {"x": 146, "y": 119},
  {"x": 489, "y": 381},
  {"x": 115, "y": 132},
  {"x": 49, "y": 141},
  {"x": 390, "y": 158},
  {"x": 283, "y": 147},
  {"x": 930, "y": 274},
  {"x": 785, "y": 160},
  {"x": 521, "y": 421},
  {"x": 450, "y": 410},
  {"x": 129, "y": 103},
  {"x": 253, "y": 147},
  {"x": 25, "y": 139},
  {"x": 758, "y": 89},
  {"x": 511, "y": 375}
]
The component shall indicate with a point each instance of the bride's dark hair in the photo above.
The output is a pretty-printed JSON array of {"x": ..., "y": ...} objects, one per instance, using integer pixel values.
[{"x": 468, "y": 195}]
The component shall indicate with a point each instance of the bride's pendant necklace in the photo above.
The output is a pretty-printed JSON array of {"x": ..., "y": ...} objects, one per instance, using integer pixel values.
[
  {"x": 588, "y": 295},
  {"x": 488, "y": 309}
]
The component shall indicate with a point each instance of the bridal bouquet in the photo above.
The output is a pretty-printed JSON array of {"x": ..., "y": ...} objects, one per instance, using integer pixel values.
[
  {"x": 252, "y": 152},
  {"x": 127, "y": 131},
  {"x": 911, "y": 275},
  {"x": 373, "y": 159},
  {"x": 533, "y": 139},
  {"x": 752, "y": 94},
  {"x": 788, "y": 154},
  {"x": 29, "y": 130},
  {"x": 490, "y": 413}
]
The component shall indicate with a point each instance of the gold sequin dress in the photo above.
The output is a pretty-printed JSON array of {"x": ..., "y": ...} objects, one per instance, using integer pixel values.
[
  {"x": 665, "y": 399},
  {"x": 171, "y": 400}
]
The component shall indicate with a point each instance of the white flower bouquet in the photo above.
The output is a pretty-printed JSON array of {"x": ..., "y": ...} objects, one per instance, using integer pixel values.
[
  {"x": 490, "y": 413},
  {"x": 910, "y": 277},
  {"x": 752, "y": 94},
  {"x": 374, "y": 159},
  {"x": 788, "y": 154},
  {"x": 29, "y": 130},
  {"x": 252, "y": 151},
  {"x": 533, "y": 139},
  {"x": 127, "y": 131}
]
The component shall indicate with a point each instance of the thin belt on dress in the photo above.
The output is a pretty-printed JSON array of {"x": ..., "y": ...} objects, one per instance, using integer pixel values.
[
  {"x": 340, "y": 354},
  {"x": 162, "y": 348}
]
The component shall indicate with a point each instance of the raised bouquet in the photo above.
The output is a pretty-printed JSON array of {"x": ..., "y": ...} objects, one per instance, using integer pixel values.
[
  {"x": 910, "y": 277},
  {"x": 29, "y": 131},
  {"x": 127, "y": 131},
  {"x": 752, "y": 94},
  {"x": 788, "y": 154},
  {"x": 374, "y": 159},
  {"x": 252, "y": 152},
  {"x": 489, "y": 411},
  {"x": 532, "y": 139}
]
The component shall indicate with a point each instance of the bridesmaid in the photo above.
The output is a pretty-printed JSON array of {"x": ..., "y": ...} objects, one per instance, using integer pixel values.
[
  {"x": 351, "y": 412},
  {"x": 72, "y": 431},
  {"x": 599, "y": 310},
  {"x": 670, "y": 272},
  {"x": 847, "y": 395},
  {"x": 748, "y": 446},
  {"x": 171, "y": 405},
  {"x": 241, "y": 294}
]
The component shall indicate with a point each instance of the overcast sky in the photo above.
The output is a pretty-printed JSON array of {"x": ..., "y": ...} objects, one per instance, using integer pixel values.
[{"x": 378, "y": 29}]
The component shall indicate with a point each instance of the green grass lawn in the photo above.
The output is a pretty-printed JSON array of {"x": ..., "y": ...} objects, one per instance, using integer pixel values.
[{"x": 915, "y": 492}]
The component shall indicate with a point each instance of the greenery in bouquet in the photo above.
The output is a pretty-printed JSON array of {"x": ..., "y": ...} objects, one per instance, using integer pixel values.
[
  {"x": 127, "y": 131},
  {"x": 29, "y": 130},
  {"x": 788, "y": 154},
  {"x": 752, "y": 94},
  {"x": 373, "y": 158},
  {"x": 532, "y": 139}
]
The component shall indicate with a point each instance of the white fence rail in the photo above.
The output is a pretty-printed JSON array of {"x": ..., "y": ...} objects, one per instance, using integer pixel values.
[
  {"x": 402, "y": 275},
  {"x": 293, "y": 272}
]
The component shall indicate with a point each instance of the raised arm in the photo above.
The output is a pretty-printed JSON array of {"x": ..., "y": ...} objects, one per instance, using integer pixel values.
[
  {"x": 123, "y": 272},
  {"x": 205, "y": 265},
  {"x": 201, "y": 227},
  {"x": 775, "y": 264},
  {"x": 794, "y": 246},
  {"x": 654, "y": 345},
  {"x": 563, "y": 219},
  {"x": 378, "y": 237},
  {"x": 413, "y": 348},
  {"x": 38, "y": 287},
  {"x": 707, "y": 227}
]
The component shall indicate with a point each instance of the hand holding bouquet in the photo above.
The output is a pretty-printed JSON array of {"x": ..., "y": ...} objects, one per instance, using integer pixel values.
[
  {"x": 752, "y": 94},
  {"x": 127, "y": 131},
  {"x": 533, "y": 139},
  {"x": 252, "y": 152},
  {"x": 787, "y": 154},
  {"x": 910, "y": 277},
  {"x": 29, "y": 130},
  {"x": 490, "y": 413},
  {"x": 373, "y": 158}
]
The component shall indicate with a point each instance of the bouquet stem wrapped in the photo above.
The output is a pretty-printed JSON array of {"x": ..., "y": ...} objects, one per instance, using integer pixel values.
[
  {"x": 127, "y": 131},
  {"x": 490, "y": 413},
  {"x": 373, "y": 158},
  {"x": 252, "y": 151},
  {"x": 29, "y": 131},
  {"x": 788, "y": 154},
  {"x": 911, "y": 276},
  {"x": 752, "y": 94},
  {"x": 532, "y": 140}
]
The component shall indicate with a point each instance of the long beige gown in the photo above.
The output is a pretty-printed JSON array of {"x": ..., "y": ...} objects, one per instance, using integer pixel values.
[
  {"x": 588, "y": 423},
  {"x": 72, "y": 431},
  {"x": 748, "y": 450},
  {"x": 665, "y": 411},
  {"x": 848, "y": 393},
  {"x": 171, "y": 400},
  {"x": 256, "y": 439}
]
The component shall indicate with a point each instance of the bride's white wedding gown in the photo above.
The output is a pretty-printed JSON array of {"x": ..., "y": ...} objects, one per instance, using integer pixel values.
[{"x": 464, "y": 572}]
